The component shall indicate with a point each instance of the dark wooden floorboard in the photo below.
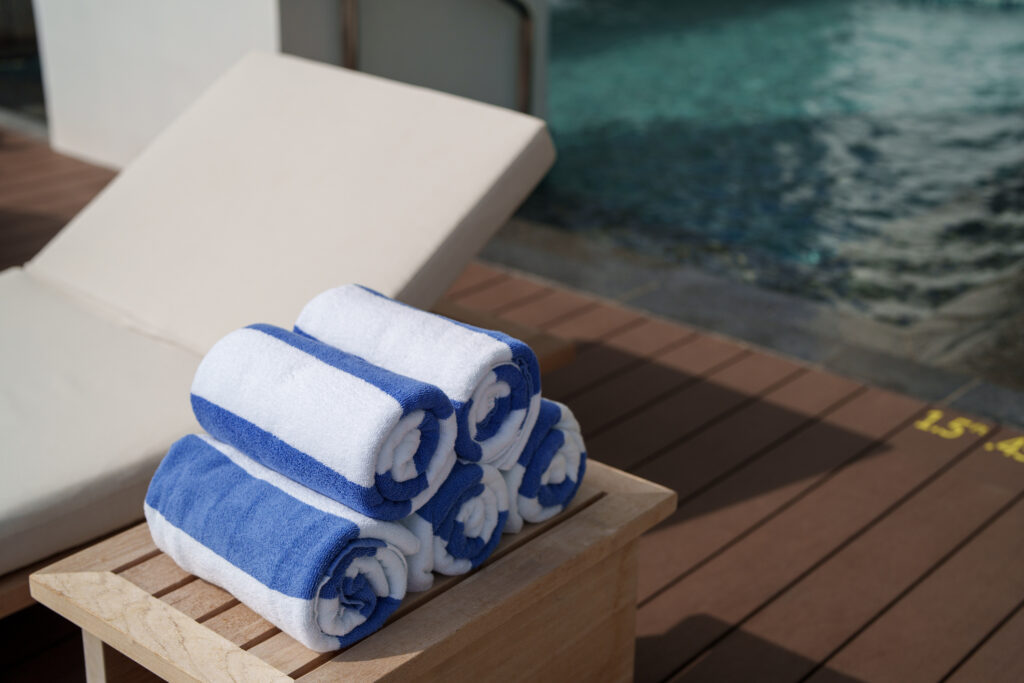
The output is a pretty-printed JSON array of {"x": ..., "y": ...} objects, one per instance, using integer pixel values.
[
  {"x": 785, "y": 512},
  {"x": 823, "y": 531},
  {"x": 557, "y": 307},
  {"x": 998, "y": 658},
  {"x": 475, "y": 276},
  {"x": 879, "y": 533},
  {"x": 40, "y": 191},
  {"x": 681, "y": 413},
  {"x": 924, "y": 635},
  {"x": 689, "y": 466}
]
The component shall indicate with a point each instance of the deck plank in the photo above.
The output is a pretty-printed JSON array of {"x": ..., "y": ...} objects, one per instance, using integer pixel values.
[
  {"x": 998, "y": 659},
  {"x": 157, "y": 575},
  {"x": 818, "y": 614},
  {"x": 40, "y": 191},
  {"x": 924, "y": 635},
  {"x": 779, "y": 414},
  {"x": 546, "y": 311},
  {"x": 509, "y": 292},
  {"x": 199, "y": 599},
  {"x": 865, "y": 484},
  {"x": 775, "y": 477},
  {"x": 671, "y": 419},
  {"x": 620, "y": 350},
  {"x": 691, "y": 561},
  {"x": 475, "y": 276},
  {"x": 638, "y": 387},
  {"x": 596, "y": 322},
  {"x": 241, "y": 626}
]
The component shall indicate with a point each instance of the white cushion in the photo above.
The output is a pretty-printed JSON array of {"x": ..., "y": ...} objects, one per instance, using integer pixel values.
[
  {"x": 289, "y": 177},
  {"x": 87, "y": 409},
  {"x": 285, "y": 179}
]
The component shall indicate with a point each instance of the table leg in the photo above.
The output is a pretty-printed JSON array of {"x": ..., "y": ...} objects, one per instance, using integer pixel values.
[{"x": 104, "y": 664}]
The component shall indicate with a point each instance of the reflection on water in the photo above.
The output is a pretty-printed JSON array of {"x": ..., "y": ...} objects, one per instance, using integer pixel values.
[{"x": 868, "y": 153}]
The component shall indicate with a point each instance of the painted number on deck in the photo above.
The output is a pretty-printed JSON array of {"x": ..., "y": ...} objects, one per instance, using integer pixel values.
[
  {"x": 1011, "y": 448},
  {"x": 953, "y": 429},
  {"x": 956, "y": 427}
]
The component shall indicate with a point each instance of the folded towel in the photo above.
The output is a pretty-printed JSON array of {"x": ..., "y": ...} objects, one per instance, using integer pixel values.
[
  {"x": 492, "y": 379},
  {"x": 376, "y": 441},
  {"x": 323, "y": 574},
  {"x": 460, "y": 526},
  {"x": 549, "y": 470}
]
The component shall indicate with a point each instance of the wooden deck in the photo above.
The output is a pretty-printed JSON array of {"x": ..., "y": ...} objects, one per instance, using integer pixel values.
[{"x": 826, "y": 530}]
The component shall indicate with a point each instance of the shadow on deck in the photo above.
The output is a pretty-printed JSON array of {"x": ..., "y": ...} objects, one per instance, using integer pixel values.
[{"x": 825, "y": 529}]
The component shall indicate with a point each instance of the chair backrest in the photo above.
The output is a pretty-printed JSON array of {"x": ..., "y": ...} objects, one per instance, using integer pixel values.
[{"x": 288, "y": 177}]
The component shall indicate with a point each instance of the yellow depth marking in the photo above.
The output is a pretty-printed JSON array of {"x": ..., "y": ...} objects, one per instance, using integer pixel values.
[{"x": 953, "y": 429}]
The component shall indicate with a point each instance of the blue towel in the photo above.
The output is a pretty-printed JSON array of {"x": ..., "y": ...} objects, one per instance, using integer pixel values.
[
  {"x": 549, "y": 470},
  {"x": 323, "y": 574},
  {"x": 492, "y": 379},
  {"x": 460, "y": 526},
  {"x": 376, "y": 441}
]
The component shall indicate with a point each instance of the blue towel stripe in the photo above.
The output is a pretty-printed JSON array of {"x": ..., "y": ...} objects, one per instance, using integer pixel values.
[
  {"x": 468, "y": 449},
  {"x": 541, "y": 447},
  {"x": 548, "y": 416},
  {"x": 278, "y": 455},
  {"x": 462, "y": 485},
  {"x": 411, "y": 394},
  {"x": 383, "y": 608},
  {"x": 283, "y": 543},
  {"x": 367, "y": 548},
  {"x": 521, "y": 373}
]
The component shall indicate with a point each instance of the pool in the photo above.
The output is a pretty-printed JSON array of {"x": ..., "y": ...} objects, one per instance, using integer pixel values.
[{"x": 865, "y": 153}]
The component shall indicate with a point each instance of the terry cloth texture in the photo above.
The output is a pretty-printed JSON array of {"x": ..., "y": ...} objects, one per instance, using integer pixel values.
[
  {"x": 549, "y": 470},
  {"x": 379, "y": 442},
  {"x": 493, "y": 380},
  {"x": 460, "y": 526},
  {"x": 323, "y": 574}
]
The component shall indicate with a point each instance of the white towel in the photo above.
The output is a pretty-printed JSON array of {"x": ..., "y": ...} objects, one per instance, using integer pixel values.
[
  {"x": 493, "y": 380},
  {"x": 460, "y": 526},
  {"x": 379, "y": 442},
  {"x": 549, "y": 470},
  {"x": 322, "y": 573}
]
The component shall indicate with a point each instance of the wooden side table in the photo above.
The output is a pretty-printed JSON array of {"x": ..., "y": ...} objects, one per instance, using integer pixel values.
[{"x": 556, "y": 601}]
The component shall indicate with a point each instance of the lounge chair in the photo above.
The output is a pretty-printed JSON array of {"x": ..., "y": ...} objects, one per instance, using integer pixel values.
[{"x": 285, "y": 178}]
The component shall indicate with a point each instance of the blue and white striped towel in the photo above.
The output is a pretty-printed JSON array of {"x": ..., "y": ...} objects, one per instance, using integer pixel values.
[
  {"x": 323, "y": 574},
  {"x": 549, "y": 470},
  {"x": 492, "y": 379},
  {"x": 378, "y": 442},
  {"x": 460, "y": 526}
]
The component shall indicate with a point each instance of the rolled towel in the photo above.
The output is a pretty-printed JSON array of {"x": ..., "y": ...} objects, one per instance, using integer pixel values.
[
  {"x": 492, "y": 379},
  {"x": 549, "y": 470},
  {"x": 460, "y": 526},
  {"x": 322, "y": 573},
  {"x": 378, "y": 442}
]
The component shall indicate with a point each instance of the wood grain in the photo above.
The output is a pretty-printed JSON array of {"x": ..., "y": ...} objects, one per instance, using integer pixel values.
[
  {"x": 539, "y": 649},
  {"x": 149, "y": 631},
  {"x": 425, "y": 638},
  {"x": 287, "y": 654},
  {"x": 544, "y": 573}
]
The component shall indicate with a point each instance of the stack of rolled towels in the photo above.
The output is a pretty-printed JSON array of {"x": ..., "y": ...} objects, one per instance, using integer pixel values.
[{"x": 349, "y": 459}]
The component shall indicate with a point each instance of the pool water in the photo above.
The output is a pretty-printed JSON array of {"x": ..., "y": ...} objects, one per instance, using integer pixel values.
[{"x": 867, "y": 153}]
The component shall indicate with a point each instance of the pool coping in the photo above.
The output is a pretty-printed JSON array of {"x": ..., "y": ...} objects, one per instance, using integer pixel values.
[{"x": 813, "y": 332}]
